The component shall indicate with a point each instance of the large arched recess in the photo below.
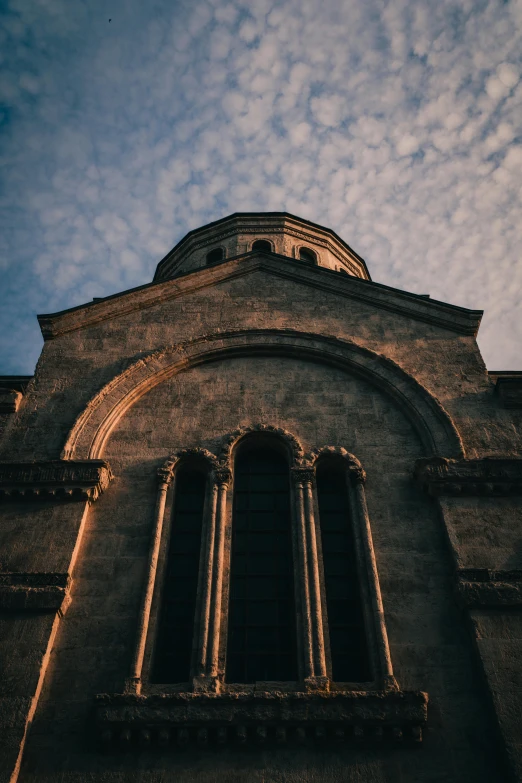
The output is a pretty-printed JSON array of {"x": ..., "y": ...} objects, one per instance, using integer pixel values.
[{"x": 94, "y": 425}]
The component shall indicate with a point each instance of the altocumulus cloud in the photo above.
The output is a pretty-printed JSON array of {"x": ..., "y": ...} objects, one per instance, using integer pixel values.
[{"x": 396, "y": 123}]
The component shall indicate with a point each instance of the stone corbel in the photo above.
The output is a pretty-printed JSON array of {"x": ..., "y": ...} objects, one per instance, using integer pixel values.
[
  {"x": 487, "y": 476},
  {"x": 54, "y": 480},
  {"x": 34, "y": 592},
  {"x": 488, "y": 589}
]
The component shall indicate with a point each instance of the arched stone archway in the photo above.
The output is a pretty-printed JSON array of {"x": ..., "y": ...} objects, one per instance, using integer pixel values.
[{"x": 431, "y": 421}]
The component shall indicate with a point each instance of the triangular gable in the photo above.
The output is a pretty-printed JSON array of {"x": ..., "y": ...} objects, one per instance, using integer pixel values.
[{"x": 456, "y": 319}]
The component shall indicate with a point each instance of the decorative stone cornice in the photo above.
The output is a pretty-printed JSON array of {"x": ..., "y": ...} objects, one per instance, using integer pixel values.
[
  {"x": 54, "y": 480},
  {"x": 33, "y": 591},
  {"x": 486, "y": 476},
  {"x": 487, "y": 588},
  {"x": 263, "y": 717}
]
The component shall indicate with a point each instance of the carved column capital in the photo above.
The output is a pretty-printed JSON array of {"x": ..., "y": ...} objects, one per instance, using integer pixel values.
[
  {"x": 303, "y": 474},
  {"x": 164, "y": 474},
  {"x": 357, "y": 474},
  {"x": 222, "y": 477}
]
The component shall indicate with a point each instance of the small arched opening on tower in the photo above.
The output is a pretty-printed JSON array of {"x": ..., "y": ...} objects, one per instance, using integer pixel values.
[
  {"x": 262, "y": 245},
  {"x": 307, "y": 255},
  {"x": 215, "y": 256}
]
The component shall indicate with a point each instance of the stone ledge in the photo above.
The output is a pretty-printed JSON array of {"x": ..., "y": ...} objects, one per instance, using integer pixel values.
[
  {"x": 34, "y": 592},
  {"x": 485, "y": 588},
  {"x": 489, "y": 476},
  {"x": 54, "y": 480},
  {"x": 179, "y": 718}
]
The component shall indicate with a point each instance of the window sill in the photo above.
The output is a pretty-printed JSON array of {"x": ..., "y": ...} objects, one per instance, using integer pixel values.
[{"x": 177, "y": 719}]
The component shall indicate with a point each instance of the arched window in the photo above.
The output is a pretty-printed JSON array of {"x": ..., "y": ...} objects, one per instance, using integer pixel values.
[
  {"x": 215, "y": 256},
  {"x": 172, "y": 658},
  {"x": 261, "y": 633},
  {"x": 348, "y": 644},
  {"x": 263, "y": 245},
  {"x": 305, "y": 254}
]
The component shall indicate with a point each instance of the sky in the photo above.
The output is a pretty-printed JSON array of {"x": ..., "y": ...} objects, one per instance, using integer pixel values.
[{"x": 125, "y": 124}]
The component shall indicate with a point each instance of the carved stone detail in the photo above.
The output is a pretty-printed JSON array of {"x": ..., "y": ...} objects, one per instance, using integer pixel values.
[
  {"x": 34, "y": 591},
  {"x": 234, "y": 437},
  {"x": 356, "y": 472},
  {"x": 54, "y": 480},
  {"x": 261, "y": 717},
  {"x": 303, "y": 474},
  {"x": 222, "y": 476},
  {"x": 165, "y": 473},
  {"x": 494, "y": 476},
  {"x": 485, "y": 588}
]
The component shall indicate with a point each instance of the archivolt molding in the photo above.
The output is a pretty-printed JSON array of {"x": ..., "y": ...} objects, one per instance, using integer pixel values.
[
  {"x": 355, "y": 469},
  {"x": 166, "y": 471},
  {"x": 233, "y": 439},
  {"x": 93, "y": 427}
]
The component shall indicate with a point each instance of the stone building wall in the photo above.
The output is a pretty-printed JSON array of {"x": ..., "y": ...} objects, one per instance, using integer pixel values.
[{"x": 413, "y": 372}]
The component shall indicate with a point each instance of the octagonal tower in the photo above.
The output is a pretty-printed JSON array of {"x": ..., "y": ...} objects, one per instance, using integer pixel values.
[{"x": 276, "y": 233}]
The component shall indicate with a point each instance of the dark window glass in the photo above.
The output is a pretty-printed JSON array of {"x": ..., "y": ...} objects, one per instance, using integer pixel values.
[
  {"x": 215, "y": 255},
  {"x": 263, "y": 245},
  {"x": 305, "y": 254},
  {"x": 176, "y": 621},
  {"x": 348, "y": 645},
  {"x": 261, "y": 632}
]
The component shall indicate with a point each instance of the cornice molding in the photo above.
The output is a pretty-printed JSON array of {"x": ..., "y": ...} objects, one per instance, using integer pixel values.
[
  {"x": 54, "y": 480},
  {"x": 259, "y": 717},
  {"x": 487, "y": 476},
  {"x": 455, "y": 319},
  {"x": 487, "y": 588},
  {"x": 34, "y": 591}
]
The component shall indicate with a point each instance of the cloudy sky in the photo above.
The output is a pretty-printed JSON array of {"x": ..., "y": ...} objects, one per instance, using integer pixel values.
[{"x": 125, "y": 123}]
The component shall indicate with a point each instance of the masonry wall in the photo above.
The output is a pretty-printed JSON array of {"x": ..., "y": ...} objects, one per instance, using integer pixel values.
[
  {"x": 431, "y": 646},
  {"x": 430, "y": 651}
]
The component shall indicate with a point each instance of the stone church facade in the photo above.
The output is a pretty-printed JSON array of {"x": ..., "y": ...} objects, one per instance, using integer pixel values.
[{"x": 261, "y": 520}]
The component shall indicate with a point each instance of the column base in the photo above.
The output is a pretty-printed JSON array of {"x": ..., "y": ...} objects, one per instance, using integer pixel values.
[
  {"x": 206, "y": 684},
  {"x": 313, "y": 684}
]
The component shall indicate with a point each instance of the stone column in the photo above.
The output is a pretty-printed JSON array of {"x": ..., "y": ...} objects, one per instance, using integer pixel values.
[
  {"x": 364, "y": 542},
  {"x": 133, "y": 684},
  {"x": 206, "y": 597},
  {"x": 209, "y": 675},
  {"x": 313, "y": 633}
]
